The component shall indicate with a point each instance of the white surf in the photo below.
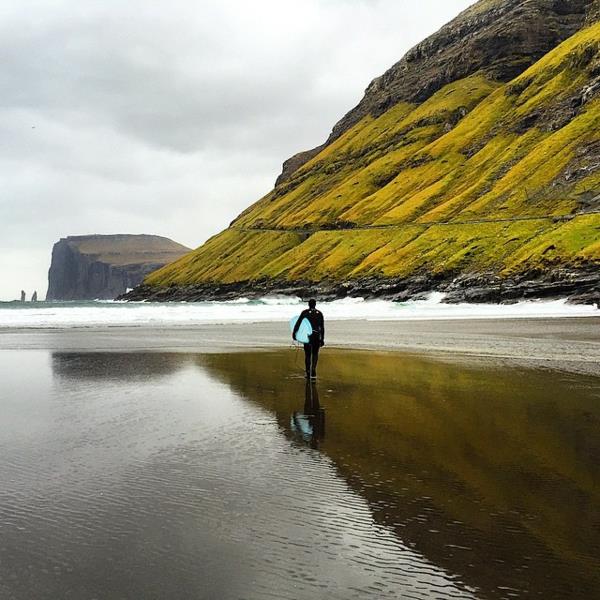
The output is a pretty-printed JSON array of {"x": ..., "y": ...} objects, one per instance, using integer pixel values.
[{"x": 115, "y": 314}]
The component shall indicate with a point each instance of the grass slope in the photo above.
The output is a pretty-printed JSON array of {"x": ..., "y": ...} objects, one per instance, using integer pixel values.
[
  {"x": 482, "y": 177},
  {"x": 127, "y": 249}
]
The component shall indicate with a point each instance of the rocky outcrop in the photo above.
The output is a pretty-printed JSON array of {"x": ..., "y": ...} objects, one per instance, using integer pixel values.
[
  {"x": 593, "y": 12},
  {"x": 580, "y": 286},
  {"x": 291, "y": 165},
  {"x": 500, "y": 38},
  {"x": 93, "y": 267}
]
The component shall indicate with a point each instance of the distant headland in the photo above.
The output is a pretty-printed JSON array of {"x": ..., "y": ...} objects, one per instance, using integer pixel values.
[{"x": 89, "y": 267}]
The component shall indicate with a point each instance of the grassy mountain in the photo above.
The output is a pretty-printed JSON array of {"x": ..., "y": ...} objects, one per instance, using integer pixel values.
[{"x": 478, "y": 154}]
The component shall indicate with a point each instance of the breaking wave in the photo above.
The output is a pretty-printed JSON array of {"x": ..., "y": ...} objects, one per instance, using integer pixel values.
[{"x": 114, "y": 314}]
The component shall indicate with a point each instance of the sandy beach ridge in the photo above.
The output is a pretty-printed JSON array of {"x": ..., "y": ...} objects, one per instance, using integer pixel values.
[{"x": 567, "y": 344}]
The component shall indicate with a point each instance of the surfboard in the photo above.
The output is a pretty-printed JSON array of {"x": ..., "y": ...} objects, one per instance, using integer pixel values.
[{"x": 304, "y": 330}]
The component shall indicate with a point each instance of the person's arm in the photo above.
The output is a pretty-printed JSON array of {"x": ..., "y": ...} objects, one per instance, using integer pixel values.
[
  {"x": 322, "y": 328},
  {"x": 297, "y": 325}
]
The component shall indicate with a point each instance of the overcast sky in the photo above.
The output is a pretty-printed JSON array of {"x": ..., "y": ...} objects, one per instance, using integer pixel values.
[{"x": 170, "y": 117}]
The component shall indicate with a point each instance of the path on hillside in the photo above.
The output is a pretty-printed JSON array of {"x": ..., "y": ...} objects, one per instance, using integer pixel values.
[{"x": 417, "y": 224}]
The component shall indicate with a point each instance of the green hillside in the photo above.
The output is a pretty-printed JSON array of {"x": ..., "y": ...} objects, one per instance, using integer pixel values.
[{"x": 484, "y": 176}]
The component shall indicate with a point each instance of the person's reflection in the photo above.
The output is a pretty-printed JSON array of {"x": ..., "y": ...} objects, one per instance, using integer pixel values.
[{"x": 310, "y": 424}]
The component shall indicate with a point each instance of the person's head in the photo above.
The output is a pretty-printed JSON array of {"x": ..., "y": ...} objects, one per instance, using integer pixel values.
[{"x": 312, "y": 303}]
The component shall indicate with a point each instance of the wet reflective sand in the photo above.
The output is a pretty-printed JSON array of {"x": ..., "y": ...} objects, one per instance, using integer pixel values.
[{"x": 147, "y": 475}]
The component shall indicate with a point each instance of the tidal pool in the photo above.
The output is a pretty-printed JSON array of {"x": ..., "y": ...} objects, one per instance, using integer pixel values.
[{"x": 224, "y": 476}]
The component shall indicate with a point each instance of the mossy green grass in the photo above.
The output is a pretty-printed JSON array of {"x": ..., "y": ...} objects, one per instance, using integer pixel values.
[{"x": 482, "y": 177}]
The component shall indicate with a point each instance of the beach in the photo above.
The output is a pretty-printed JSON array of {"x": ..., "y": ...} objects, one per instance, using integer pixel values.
[
  {"x": 452, "y": 458},
  {"x": 411, "y": 189},
  {"x": 567, "y": 344}
]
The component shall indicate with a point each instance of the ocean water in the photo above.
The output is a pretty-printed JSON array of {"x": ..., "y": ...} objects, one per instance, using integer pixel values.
[{"x": 112, "y": 314}]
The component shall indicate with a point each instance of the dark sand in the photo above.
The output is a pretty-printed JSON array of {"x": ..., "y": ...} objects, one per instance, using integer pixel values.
[
  {"x": 437, "y": 459},
  {"x": 571, "y": 344},
  {"x": 221, "y": 476}
]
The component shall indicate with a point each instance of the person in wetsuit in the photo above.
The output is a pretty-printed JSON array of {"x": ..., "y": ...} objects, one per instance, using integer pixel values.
[{"x": 315, "y": 341}]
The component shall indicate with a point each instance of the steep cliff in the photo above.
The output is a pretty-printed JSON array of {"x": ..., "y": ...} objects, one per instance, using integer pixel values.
[
  {"x": 92, "y": 267},
  {"x": 500, "y": 38},
  {"x": 473, "y": 163}
]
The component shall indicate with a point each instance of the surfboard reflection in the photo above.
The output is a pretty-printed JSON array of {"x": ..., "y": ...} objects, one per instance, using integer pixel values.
[{"x": 310, "y": 424}]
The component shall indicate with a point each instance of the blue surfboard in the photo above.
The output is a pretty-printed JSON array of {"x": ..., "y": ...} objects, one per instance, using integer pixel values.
[{"x": 304, "y": 330}]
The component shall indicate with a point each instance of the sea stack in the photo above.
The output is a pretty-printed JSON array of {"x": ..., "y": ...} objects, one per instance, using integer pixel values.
[
  {"x": 89, "y": 267},
  {"x": 22, "y": 295},
  {"x": 34, "y": 296}
]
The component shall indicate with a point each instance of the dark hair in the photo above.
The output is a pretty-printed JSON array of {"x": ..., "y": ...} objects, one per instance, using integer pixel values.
[{"x": 312, "y": 303}]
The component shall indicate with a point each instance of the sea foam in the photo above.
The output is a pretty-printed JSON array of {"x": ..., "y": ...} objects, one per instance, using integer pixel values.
[{"x": 114, "y": 314}]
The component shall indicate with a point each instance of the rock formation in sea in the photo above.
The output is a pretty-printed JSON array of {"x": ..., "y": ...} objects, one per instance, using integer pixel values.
[
  {"x": 471, "y": 166},
  {"x": 23, "y": 296},
  {"x": 34, "y": 297},
  {"x": 89, "y": 267}
]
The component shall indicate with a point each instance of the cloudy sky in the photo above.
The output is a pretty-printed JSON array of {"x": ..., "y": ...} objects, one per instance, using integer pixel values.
[{"x": 170, "y": 117}]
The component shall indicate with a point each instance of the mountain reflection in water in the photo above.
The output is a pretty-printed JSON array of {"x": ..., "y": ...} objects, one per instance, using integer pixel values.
[{"x": 491, "y": 473}]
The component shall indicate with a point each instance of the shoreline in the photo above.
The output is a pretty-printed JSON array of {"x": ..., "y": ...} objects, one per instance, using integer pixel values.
[
  {"x": 569, "y": 344},
  {"x": 579, "y": 285}
]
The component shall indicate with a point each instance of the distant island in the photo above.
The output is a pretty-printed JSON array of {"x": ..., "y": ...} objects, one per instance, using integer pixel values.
[
  {"x": 90, "y": 267},
  {"x": 472, "y": 167}
]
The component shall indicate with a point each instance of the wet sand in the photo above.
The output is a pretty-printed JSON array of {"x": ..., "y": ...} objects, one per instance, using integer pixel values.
[
  {"x": 136, "y": 474},
  {"x": 571, "y": 345}
]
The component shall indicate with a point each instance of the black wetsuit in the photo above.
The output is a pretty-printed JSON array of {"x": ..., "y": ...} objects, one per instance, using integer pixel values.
[{"x": 315, "y": 341}]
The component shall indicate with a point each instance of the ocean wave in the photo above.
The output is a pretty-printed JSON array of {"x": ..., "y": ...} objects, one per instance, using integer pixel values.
[{"x": 137, "y": 314}]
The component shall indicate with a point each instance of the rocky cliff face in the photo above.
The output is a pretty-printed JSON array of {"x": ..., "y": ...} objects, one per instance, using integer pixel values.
[
  {"x": 105, "y": 266},
  {"x": 500, "y": 38}
]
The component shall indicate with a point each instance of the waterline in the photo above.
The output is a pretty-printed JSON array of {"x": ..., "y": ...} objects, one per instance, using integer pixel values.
[{"x": 44, "y": 315}]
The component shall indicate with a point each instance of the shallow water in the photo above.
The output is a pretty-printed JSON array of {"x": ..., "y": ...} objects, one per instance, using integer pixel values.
[{"x": 139, "y": 475}]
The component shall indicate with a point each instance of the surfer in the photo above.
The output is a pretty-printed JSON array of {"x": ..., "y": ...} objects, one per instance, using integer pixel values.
[{"x": 316, "y": 339}]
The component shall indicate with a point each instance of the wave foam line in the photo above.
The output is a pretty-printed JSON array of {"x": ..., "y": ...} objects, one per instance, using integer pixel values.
[{"x": 139, "y": 314}]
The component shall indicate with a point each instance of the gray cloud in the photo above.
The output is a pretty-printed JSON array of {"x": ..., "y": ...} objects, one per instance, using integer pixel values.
[{"x": 171, "y": 117}]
